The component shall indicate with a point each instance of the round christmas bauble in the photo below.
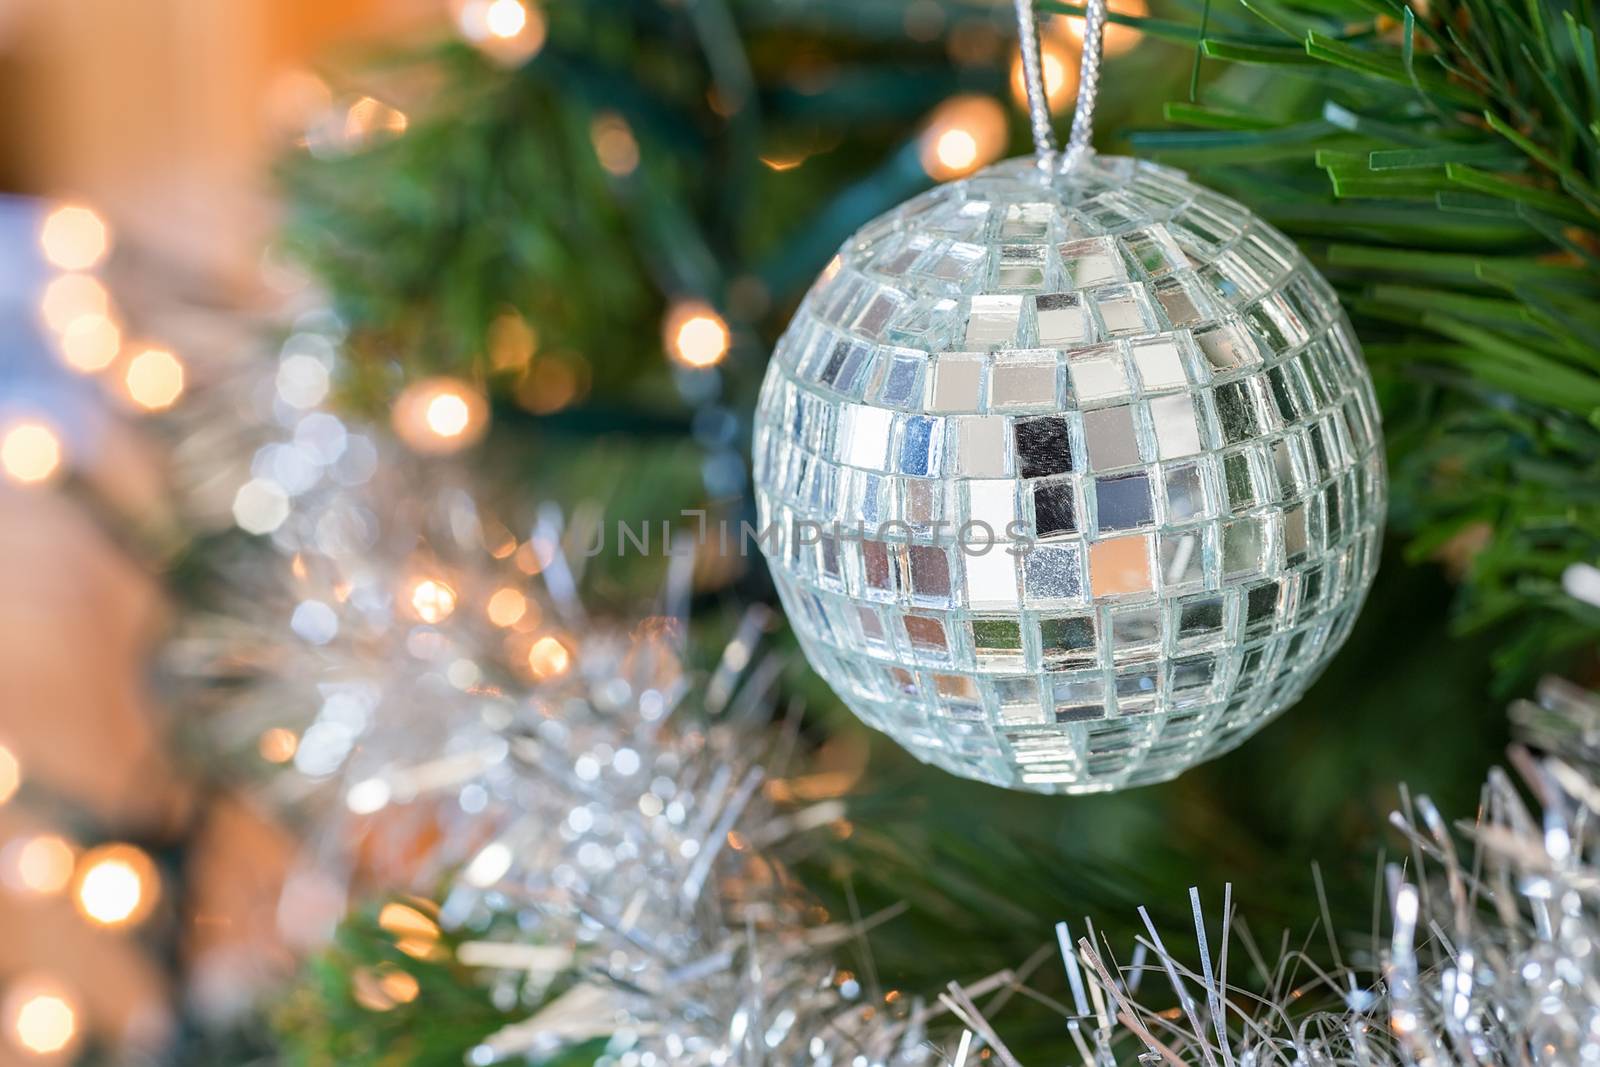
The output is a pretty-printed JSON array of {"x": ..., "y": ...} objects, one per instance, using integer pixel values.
[{"x": 1069, "y": 478}]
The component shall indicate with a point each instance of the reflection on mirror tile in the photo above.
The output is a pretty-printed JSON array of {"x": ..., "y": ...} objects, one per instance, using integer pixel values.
[
  {"x": 1160, "y": 365},
  {"x": 1024, "y": 386},
  {"x": 1043, "y": 446},
  {"x": 993, "y": 320},
  {"x": 1177, "y": 433},
  {"x": 1061, "y": 319},
  {"x": 981, "y": 446},
  {"x": 1124, "y": 502},
  {"x": 957, "y": 383},
  {"x": 1109, "y": 435},
  {"x": 1099, "y": 378}
]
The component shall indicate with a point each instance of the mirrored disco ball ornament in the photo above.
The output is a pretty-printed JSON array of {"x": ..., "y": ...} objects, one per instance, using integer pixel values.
[{"x": 1074, "y": 476}]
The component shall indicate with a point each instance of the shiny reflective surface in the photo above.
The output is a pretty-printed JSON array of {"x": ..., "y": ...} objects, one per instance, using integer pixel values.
[{"x": 1155, "y": 408}]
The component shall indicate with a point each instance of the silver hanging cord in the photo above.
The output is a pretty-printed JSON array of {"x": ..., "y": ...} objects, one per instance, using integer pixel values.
[
  {"x": 1044, "y": 137},
  {"x": 1080, "y": 142}
]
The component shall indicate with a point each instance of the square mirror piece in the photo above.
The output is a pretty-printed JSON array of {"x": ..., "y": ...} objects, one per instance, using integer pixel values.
[
  {"x": 1123, "y": 310},
  {"x": 957, "y": 383},
  {"x": 991, "y": 579},
  {"x": 997, "y": 642},
  {"x": 993, "y": 503},
  {"x": 1186, "y": 497},
  {"x": 1160, "y": 365},
  {"x": 867, "y": 441},
  {"x": 1055, "y": 511},
  {"x": 1052, "y": 574},
  {"x": 1109, "y": 436},
  {"x": 1119, "y": 566},
  {"x": 981, "y": 446},
  {"x": 1092, "y": 261},
  {"x": 993, "y": 319},
  {"x": 921, "y": 441},
  {"x": 1062, "y": 320},
  {"x": 1067, "y": 640},
  {"x": 926, "y": 634},
  {"x": 1124, "y": 502},
  {"x": 1021, "y": 386},
  {"x": 1099, "y": 378},
  {"x": 1043, "y": 446},
  {"x": 1177, "y": 433},
  {"x": 1182, "y": 559},
  {"x": 930, "y": 572}
]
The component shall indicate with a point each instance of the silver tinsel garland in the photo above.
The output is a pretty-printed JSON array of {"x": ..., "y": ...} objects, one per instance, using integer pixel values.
[{"x": 612, "y": 856}]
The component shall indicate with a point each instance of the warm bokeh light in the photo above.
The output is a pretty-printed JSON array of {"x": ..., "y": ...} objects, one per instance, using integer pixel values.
[
  {"x": 507, "y": 31},
  {"x": 1118, "y": 38},
  {"x": 440, "y": 415},
  {"x": 154, "y": 379},
  {"x": 73, "y": 237},
  {"x": 277, "y": 744},
  {"x": 549, "y": 658},
  {"x": 432, "y": 600},
  {"x": 41, "y": 864},
  {"x": 368, "y": 119},
  {"x": 30, "y": 452},
  {"x": 507, "y": 607},
  {"x": 1058, "y": 60},
  {"x": 614, "y": 144},
  {"x": 90, "y": 343},
  {"x": 414, "y": 932},
  {"x": 512, "y": 342},
  {"x": 963, "y": 134},
  {"x": 505, "y": 18},
  {"x": 117, "y": 885},
  {"x": 41, "y": 1018},
  {"x": 69, "y": 296},
  {"x": 696, "y": 336},
  {"x": 10, "y": 774},
  {"x": 383, "y": 988}
]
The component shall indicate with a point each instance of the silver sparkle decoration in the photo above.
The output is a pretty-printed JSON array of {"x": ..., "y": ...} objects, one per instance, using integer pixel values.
[
  {"x": 1490, "y": 957},
  {"x": 1073, "y": 473},
  {"x": 609, "y": 828}
]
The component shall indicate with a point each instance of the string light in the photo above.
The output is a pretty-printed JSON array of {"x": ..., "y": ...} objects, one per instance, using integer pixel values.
[
  {"x": 73, "y": 237},
  {"x": 432, "y": 600},
  {"x": 277, "y": 745},
  {"x": 383, "y": 988},
  {"x": 40, "y": 865},
  {"x": 369, "y": 118},
  {"x": 10, "y": 774},
  {"x": 1058, "y": 61},
  {"x": 414, "y": 932},
  {"x": 509, "y": 32},
  {"x": 696, "y": 336},
  {"x": 507, "y": 607},
  {"x": 69, "y": 296},
  {"x": 512, "y": 342},
  {"x": 614, "y": 144},
  {"x": 1117, "y": 38},
  {"x": 90, "y": 343},
  {"x": 439, "y": 415},
  {"x": 30, "y": 452},
  {"x": 548, "y": 658},
  {"x": 41, "y": 1018},
  {"x": 154, "y": 379},
  {"x": 117, "y": 885},
  {"x": 963, "y": 134}
]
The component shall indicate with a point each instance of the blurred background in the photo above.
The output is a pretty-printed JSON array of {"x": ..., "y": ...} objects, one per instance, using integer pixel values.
[{"x": 571, "y": 222}]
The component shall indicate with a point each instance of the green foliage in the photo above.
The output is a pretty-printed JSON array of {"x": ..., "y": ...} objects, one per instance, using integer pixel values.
[{"x": 324, "y": 1023}]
